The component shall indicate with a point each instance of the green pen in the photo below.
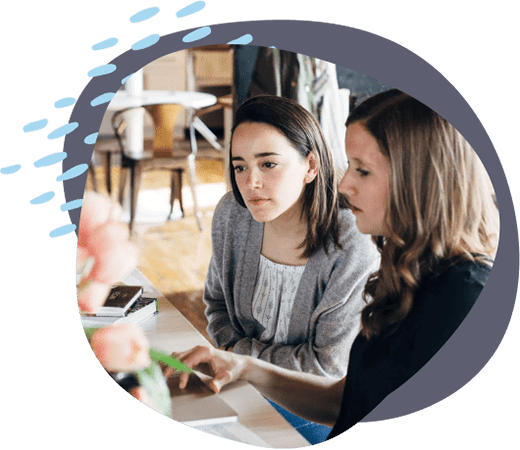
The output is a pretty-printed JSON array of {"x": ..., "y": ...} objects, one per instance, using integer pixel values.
[{"x": 169, "y": 360}]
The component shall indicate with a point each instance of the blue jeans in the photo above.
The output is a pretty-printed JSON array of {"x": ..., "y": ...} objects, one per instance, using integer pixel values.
[{"x": 313, "y": 432}]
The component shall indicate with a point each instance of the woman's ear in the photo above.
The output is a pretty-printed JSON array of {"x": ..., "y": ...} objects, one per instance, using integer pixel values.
[{"x": 313, "y": 168}]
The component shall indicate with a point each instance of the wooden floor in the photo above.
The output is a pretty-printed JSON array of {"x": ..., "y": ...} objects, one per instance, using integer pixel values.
[{"x": 175, "y": 255}]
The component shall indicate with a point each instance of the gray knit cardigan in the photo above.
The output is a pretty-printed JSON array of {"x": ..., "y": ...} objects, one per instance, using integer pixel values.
[{"x": 326, "y": 314}]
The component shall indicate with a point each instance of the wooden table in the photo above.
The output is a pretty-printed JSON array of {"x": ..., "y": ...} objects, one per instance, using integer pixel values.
[
  {"x": 191, "y": 101},
  {"x": 169, "y": 331}
]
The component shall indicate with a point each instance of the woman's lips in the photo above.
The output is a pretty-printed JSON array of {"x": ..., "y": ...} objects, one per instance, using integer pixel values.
[
  {"x": 257, "y": 201},
  {"x": 353, "y": 208}
]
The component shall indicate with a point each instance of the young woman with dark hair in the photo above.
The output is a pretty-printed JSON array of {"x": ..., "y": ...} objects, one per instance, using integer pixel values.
[
  {"x": 414, "y": 184},
  {"x": 288, "y": 267}
]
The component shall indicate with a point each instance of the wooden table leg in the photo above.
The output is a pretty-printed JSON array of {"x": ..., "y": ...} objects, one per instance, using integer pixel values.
[
  {"x": 193, "y": 184},
  {"x": 108, "y": 172},
  {"x": 93, "y": 179},
  {"x": 164, "y": 117},
  {"x": 135, "y": 182},
  {"x": 176, "y": 190}
]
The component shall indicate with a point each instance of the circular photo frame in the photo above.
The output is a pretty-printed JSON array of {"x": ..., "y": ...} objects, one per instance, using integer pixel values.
[{"x": 409, "y": 73}]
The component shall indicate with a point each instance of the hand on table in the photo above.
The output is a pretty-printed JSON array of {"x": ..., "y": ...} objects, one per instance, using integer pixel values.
[
  {"x": 226, "y": 349},
  {"x": 224, "y": 367}
]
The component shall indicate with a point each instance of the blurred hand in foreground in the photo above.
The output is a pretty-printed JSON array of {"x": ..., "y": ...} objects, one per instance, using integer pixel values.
[
  {"x": 140, "y": 394},
  {"x": 103, "y": 242},
  {"x": 121, "y": 347},
  {"x": 224, "y": 367},
  {"x": 105, "y": 257}
]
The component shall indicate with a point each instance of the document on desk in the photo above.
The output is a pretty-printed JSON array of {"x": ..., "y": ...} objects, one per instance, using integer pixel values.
[
  {"x": 234, "y": 431},
  {"x": 197, "y": 405}
]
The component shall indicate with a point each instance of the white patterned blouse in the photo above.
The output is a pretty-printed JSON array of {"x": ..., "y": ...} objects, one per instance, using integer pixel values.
[{"x": 274, "y": 298}]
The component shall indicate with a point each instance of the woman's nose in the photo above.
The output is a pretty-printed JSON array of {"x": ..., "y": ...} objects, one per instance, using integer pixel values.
[
  {"x": 253, "y": 178},
  {"x": 346, "y": 186}
]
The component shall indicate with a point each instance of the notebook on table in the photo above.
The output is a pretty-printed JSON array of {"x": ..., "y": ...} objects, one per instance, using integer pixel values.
[
  {"x": 120, "y": 299},
  {"x": 197, "y": 405}
]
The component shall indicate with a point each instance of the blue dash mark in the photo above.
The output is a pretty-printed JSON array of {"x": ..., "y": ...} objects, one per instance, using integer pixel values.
[
  {"x": 103, "y": 98},
  {"x": 35, "y": 126},
  {"x": 65, "y": 229},
  {"x": 125, "y": 79},
  {"x": 74, "y": 204},
  {"x": 242, "y": 40},
  {"x": 102, "y": 70},
  {"x": 146, "y": 42},
  {"x": 107, "y": 43},
  {"x": 145, "y": 14},
  {"x": 73, "y": 172},
  {"x": 64, "y": 102},
  {"x": 197, "y": 34},
  {"x": 64, "y": 130},
  {"x": 49, "y": 160},
  {"x": 91, "y": 138},
  {"x": 43, "y": 198},
  {"x": 190, "y": 9},
  {"x": 11, "y": 169}
]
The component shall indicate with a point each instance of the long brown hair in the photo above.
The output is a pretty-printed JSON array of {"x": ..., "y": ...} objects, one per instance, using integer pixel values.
[
  {"x": 321, "y": 200},
  {"x": 440, "y": 207}
]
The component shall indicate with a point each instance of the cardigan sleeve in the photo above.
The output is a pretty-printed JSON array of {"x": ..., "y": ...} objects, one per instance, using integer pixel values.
[
  {"x": 220, "y": 326},
  {"x": 335, "y": 320}
]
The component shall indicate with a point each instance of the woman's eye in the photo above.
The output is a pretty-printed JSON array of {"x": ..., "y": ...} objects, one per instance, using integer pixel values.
[
  {"x": 362, "y": 172},
  {"x": 238, "y": 168},
  {"x": 269, "y": 165}
]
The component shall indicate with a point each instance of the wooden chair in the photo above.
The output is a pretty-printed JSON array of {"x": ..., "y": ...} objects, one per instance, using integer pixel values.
[
  {"x": 107, "y": 149},
  {"x": 92, "y": 175},
  {"x": 159, "y": 154},
  {"x": 226, "y": 104}
]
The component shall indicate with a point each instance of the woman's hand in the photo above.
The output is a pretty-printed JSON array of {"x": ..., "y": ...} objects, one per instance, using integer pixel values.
[
  {"x": 224, "y": 367},
  {"x": 321, "y": 402}
]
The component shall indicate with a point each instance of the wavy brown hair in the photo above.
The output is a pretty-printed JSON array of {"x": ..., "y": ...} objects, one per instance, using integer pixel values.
[
  {"x": 322, "y": 199},
  {"x": 440, "y": 205}
]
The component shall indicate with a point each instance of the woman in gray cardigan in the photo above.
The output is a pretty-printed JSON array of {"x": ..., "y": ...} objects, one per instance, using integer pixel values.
[{"x": 288, "y": 266}]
